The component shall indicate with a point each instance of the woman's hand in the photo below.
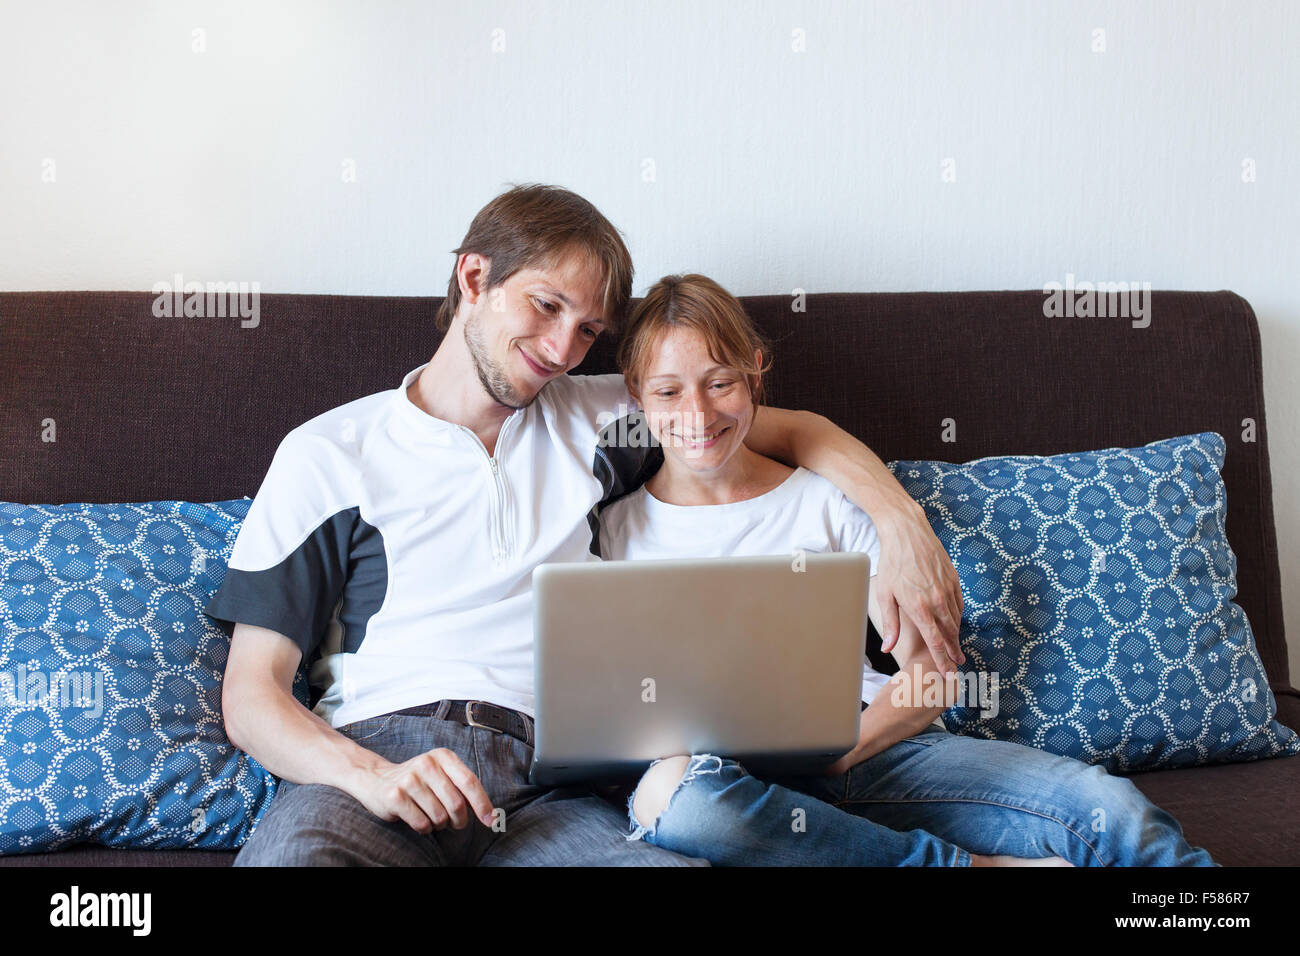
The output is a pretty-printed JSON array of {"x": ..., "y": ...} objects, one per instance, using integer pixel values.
[
  {"x": 917, "y": 576},
  {"x": 848, "y": 761}
]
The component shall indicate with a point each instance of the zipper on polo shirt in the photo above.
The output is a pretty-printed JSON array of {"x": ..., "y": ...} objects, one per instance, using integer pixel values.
[{"x": 499, "y": 507}]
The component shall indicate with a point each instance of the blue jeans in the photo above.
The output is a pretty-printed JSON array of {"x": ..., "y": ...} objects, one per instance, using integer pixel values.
[
  {"x": 931, "y": 799},
  {"x": 318, "y": 825}
]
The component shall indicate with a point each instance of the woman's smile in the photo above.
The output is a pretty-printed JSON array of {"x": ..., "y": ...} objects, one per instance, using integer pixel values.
[{"x": 703, "y": 441}]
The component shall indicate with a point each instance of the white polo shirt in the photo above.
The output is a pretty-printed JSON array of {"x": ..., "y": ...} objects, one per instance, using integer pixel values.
[
  {"x": 804, "y": 512},
  {"x": 390, "y": 542}
]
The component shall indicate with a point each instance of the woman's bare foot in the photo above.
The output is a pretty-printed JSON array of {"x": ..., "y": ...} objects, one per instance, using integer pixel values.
[{"x": 976, "y": 860}]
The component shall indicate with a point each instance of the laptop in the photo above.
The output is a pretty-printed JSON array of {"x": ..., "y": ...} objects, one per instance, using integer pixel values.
[{"x": 756, "y": 658}]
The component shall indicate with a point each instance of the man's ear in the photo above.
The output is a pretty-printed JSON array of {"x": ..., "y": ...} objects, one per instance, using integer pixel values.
[{"x": 472, "y": 274}]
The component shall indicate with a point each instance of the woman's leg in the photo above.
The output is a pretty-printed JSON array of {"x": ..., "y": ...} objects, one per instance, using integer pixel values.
[
  {"x": 993, "y": 796},
  {"x": 709, "y": 807}
]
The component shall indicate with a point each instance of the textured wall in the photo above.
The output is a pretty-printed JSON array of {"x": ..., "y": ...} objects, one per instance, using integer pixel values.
[{"x": 344, "y": 147}]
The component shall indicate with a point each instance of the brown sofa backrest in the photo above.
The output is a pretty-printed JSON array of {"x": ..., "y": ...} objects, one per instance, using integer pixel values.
[{"x": 150, "y": 408}]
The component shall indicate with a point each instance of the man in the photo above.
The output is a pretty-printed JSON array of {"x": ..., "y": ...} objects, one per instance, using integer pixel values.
[{"x": 392, "y": 544}]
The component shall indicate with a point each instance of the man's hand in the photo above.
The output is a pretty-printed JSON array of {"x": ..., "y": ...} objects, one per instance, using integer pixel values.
[
  {"x": 430, "y": 791},
  {"x": 917, "y": 576}
]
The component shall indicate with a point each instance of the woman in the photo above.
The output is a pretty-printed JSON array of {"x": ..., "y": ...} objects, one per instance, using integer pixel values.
[{"x": 909, "y": 792}]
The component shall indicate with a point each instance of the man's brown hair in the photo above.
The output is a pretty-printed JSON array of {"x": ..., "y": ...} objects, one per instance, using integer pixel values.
[
  {"x": 534, "y": 226},
  {"x": 696, "y": 302}
]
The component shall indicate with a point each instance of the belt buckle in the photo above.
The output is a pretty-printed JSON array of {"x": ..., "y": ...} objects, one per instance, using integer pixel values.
[{"x": 469, "y": 717}]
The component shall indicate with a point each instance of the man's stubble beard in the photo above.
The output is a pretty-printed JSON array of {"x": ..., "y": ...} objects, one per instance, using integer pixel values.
[{"x": 490, "y": 373}]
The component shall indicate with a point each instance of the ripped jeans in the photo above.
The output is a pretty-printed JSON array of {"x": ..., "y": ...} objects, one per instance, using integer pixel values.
[{"x": 929, "y": 800}]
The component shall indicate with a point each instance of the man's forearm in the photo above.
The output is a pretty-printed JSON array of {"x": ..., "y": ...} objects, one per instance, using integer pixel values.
[
  {"x": 293, "y": 743},
  {"x": 916, "y": 574}
]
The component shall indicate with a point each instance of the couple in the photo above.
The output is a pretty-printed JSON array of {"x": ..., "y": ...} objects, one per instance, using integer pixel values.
[{"x": 392, "y": 543}]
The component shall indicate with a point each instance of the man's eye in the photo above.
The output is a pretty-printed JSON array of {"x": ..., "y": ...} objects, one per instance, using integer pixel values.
[
  {"x": 722, "y": 384},
  {"x": 664, "y": 393}
]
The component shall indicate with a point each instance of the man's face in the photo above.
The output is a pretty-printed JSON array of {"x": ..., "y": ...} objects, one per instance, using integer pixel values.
[{"x": 536, "y": 325}]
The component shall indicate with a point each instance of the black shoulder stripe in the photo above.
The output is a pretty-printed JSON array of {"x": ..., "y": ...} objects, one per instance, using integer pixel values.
[{"x": 626, "y": 456}]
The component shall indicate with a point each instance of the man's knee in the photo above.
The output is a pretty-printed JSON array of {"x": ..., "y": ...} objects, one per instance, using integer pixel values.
[{"x": 290, "y": 831}]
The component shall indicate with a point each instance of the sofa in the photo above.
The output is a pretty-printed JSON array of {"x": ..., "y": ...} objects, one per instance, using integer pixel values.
[{"x": 152, "y": 408}]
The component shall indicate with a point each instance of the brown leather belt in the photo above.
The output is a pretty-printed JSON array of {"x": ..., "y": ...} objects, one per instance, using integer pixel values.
[{"x": 478, "y": 713}]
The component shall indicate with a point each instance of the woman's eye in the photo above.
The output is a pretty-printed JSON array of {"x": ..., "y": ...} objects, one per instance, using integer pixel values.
[
  {"x": 722, "y": 384},
  {"x": 664, "y": 394},
  {"x": 547, "y": 306},
  {"x": 591, "y": 333}
]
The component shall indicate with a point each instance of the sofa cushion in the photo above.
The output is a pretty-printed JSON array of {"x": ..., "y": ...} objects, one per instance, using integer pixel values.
[
  {"x": 110, "y": 723},
  {"x": 1098, "y": 594}
]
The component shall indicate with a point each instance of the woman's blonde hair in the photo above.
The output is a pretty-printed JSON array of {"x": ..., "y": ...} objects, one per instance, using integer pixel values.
[{"x": 695, "y": 302}]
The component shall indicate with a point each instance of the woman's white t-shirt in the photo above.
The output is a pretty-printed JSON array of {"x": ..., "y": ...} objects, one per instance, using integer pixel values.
[{"x": 804, "y": 512}]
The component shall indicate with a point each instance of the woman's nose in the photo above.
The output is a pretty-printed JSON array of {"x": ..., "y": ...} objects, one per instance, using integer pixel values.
[{"x": 697, "y": 409}]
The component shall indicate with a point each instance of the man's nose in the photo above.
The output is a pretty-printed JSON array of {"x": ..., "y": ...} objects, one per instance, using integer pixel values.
[{"x": 557, "y": 346}]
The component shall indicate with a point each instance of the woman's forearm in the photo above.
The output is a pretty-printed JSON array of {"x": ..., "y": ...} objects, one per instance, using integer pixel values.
[
  {"x": 888, "y": 721},
  {"x": 898, "y": 711}
]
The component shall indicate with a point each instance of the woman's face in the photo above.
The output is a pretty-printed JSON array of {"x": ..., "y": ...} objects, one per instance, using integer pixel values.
[{"x": 698, "y": 410}]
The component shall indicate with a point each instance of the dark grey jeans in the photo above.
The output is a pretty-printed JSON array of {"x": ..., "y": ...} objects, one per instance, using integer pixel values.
[{"x": 318, "y": 825}]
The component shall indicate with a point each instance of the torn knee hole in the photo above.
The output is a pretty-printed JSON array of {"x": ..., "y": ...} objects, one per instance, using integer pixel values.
[{"x": 664, "y": 778}]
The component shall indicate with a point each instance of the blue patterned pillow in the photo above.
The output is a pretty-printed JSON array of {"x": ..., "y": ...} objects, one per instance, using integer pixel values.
[
  {"x": 1098, "y": 588},
  {"x": 110, "y": 679}
]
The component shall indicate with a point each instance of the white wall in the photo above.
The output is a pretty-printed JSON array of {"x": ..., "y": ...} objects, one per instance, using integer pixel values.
[{"x": 772, "y": 168}]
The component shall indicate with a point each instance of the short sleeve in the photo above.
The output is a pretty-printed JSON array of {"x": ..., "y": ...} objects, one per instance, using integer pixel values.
[
  {"x": 625, "y": 453},
  {"x": 597, "y": 399},
  {"x": 872, "y": 682},
  {"x": 289, "y": 565},
  {"x": 857, "y": 532}
]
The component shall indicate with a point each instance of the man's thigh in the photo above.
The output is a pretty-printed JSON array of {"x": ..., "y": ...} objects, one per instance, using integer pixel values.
[
  {"x": 320, "y": 825},
  {"x": 572, "y": 826}
]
